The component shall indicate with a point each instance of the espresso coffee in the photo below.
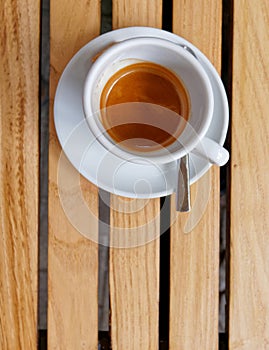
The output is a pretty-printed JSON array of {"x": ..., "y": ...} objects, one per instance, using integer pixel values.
[{"x": 144, "y": 107}]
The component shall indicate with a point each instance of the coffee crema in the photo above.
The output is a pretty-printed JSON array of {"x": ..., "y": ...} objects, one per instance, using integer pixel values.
[{"x": 144, "y": 107}]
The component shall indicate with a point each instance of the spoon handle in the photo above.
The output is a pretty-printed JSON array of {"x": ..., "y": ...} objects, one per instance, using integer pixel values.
[{"x": 183, "y": 200}]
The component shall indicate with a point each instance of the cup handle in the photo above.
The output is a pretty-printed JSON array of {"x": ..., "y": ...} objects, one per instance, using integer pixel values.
[{"x": 212, "y": 151}]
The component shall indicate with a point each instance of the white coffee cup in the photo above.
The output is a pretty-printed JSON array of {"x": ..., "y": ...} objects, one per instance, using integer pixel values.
[{"x": 184, "y": 65}]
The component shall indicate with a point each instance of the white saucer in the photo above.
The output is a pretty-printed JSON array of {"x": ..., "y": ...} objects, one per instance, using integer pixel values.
[{"x": 93, "y": 161}]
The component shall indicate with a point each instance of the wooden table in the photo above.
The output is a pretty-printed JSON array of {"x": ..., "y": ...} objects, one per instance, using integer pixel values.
[{"x": 134, "y": 274}]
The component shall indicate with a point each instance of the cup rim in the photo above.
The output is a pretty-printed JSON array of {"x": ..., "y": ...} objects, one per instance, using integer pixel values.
[{"x": 99, "y": 131}]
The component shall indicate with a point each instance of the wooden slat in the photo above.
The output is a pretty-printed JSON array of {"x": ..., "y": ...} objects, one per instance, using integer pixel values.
[
  {"x": 19, "y": 161},
  {"x": 134, "y": 272},
  {"x": 249, "y": 253},
  {"x": 195, "y": 256},
  {"x": 128, "y": 13},
  {"x": 73, "y": 260},
  {"x": 134, "y": 276}
]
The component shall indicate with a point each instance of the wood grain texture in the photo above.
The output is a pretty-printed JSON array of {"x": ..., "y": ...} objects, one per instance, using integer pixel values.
[
  {"x": 134, "y": 272},
  {"x": 73, "y": 259},
  {"x": 134, "y": 276},
  {"x": 19, "y": 161},
  {"x": 128, "y": 13},
  {"x": 195, "y": 255},
  {"x": 249, "y": 253},
  {"x": 200, "y": 23}
]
